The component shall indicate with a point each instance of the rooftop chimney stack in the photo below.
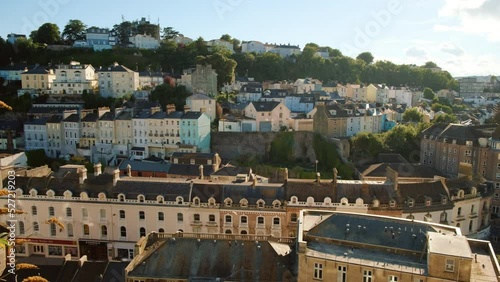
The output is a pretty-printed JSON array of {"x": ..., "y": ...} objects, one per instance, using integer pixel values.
[
  {"x": 285, "y": 174},
  {"x": 116, "y": 176},
  {"x": 201, "y": 172},
  {"x": 97, "y": 169},
  {"x": 335, "y": 173},
  {"x": 318, "y": 178},
  {"x": 129, "y": 170}
]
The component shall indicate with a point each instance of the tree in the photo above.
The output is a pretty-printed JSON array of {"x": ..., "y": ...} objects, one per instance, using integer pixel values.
[
  {"x": 152, "y": 30},
  {"x": 366, "y": 145},
  {"x": 402, "y": 139},
  {"x": 223, "y": 65},
  {"x": 124, "y": 31},
  {"x": 47, "y": 33},
  {"x": 167, "y": 94},
  {"x": 367, "y": 57},
  {"x": 169, "y": 33},
  {"x": 428, "y": 93},
  {"x": 413, "y": 115},
  {"x": 74, "y": 30},
  {"x": 430, "y": 65},
  {"x": 446, "y": 118}
]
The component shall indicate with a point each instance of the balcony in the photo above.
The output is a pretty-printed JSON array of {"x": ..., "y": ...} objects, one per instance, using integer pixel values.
[
  {"x": 212, "y": 224},
  {"x": 196, "y": 223}
]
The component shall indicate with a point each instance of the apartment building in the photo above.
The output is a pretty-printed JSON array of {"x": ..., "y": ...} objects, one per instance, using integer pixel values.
[
  {"x": 117, "y": 81},
  {"x": 74, "y": 78}
]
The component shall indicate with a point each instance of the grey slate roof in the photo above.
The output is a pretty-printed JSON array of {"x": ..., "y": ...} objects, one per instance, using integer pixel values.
[
  {"x": 265, "y": 106},
  {"x": 109, "y": 116},
  {"x": 144, "y": 166},
  {"x": 207, "y": 260},
  {"x": 91, "y": 117},
  {"x": 72, "y": 118}
]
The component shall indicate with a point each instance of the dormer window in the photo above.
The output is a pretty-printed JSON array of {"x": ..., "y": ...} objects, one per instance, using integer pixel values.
[
  {"x": 121, "y": 198},
  {"x": 392, "y": 203},
  {"x": 160, "y": 199},
  {"x": 293, "y": 200},
  {"x": 211, "y": 202},
  {"x": 260, "y": 203},
  {"x": 411, "y": 203},
  {"x": 276, "y": 204},
  {"x": 244, "y": 203},
  {"x": 228, "y": 202},
  {"x": 428, "y": 202},
  {"x": 196, "y": 201},
  {"x": 444, "y": 200},
  {"x": 179, "y": 200},
  {"x": 140, "y": 198}
]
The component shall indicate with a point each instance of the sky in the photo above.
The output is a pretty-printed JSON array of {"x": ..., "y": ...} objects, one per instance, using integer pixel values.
[{"x": 461, "y": 36}]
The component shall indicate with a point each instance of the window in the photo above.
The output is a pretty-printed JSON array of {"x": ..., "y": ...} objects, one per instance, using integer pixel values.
[
  {"x": 123, "y": 231},
  {"x": 318, "y": 270},
  {"x": 104, "y": 231},
  {"x": 472, "y": 209},
  {"x": 86, "y": 230},
  {"x": 211, "y": 218},
  {"x": 85, "y": 213},
  {"x": 276, "y": 221},
  {"x": 69, "y": 228},
  {"x": 229, "y": 219},
  {"x": 34, "y": 210},
  {"x": 52, "y": 229},
  {"x": 367, "y": 276},
  {"x": 471, "y": 225},
  {"x": 342, "y": 273},
  {"x": 142, "y": 215},
  {"x": 102, "y": 212},
  {"x": 450, "y": 265},
  {"x": 142, "y": 232},
  {"x": 161, "y": 216},
  {"x": 244, "y": 219},
  {"x": 21, "y": 227},
  {"x": 196, "y": 217},
  {"x": 459, "y": 212},
  {"x": 51, "y": 211},
  {"x": 293, "y": 217},
  {"x": 393, "y": 278},
  {"x": 36, "y": 227},
  {"x": 260, "y": 220},
  {"x": 180, "y": 217},
  {"x": 122, "y": 214}
]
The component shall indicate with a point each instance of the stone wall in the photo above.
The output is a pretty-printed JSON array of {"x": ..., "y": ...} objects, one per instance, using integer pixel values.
[{"x": 231, "y": 145}]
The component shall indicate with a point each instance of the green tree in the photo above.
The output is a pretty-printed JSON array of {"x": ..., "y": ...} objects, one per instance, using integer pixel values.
[
  {"x": 428, "y": 93},
  {"x": 366, "y": 145},
  {"x": 47, "y": 33},
  {"x": 124, "y": 31},
  {"x": 446, "y": 118},
  {"x": 281, "y": 151},
  {"x": 430, "y": 65},
  {"x": 152, "y": 30},
  {"x": 36, "y": 158},
  {"x": 367, "y": 57},
  {"x": 223, "y": 65},
  {"x": 402, "y": 139},
  {"x": 413, "y": 115},
  {"x": 74, "y": 30},
  {"x": 169, "y": 33},
  {"x": 168, "y": 94}
]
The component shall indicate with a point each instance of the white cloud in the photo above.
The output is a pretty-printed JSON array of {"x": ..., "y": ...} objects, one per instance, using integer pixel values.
[
  {"x": 480, "y": 17},
  {"x": 416, "y": 52},
  {"x": 452, "y": 48}
]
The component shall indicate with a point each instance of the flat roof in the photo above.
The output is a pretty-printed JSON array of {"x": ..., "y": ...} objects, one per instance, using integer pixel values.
[{"x": 448, "y": 244}]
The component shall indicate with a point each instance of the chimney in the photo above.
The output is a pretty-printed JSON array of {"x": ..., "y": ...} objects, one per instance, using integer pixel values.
[
  {"x": 392, "y": 176},
  {"x": 82, "y": 174},
  {"x": 170, "y": 108},
  {"x": 186, "y": 108},
  {"x": 318, "y": 178},
  {"x": 155, "y": 109},
  {"x": 97, "y": 169},
  {"x": 201, "y": 172},
  {"x": 285, "y": 174},
  {"x": 335, "y": 173},
  {"x": 116, "y": 176},
  {"x": 129, "y": 170},
  {"x": 216, "y": 162},
  {"x": 254, "y": 181}
]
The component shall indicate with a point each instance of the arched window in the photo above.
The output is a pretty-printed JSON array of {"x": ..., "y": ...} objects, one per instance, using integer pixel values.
[
  {"x": 161, "y": 230},
  {"x": 69, "y": 228},
  {"x": 294, "y": 200},
  {"x": 228, "y": 202},
  {"x": 211, "y": 202},
  {"x": 123, "y": 231},
  {"x": 228, "y": 231},
  {"x": 104, "y": 230},
  {"x": 243, "y": 203},
  {"x": 86, "y": 230},
  {"x": 121, "y": 198},
  {"x": 243, "y": 232},
  {"x": 179, "y": 200},
  {"x": 196, "y": 201},
  {"x": 142, "y": 232},
  {"x": 140, "y": 198},
  {"x": 243, "y": 219},
  {"x": 21, "y": 227},
  {"x": 260, "y": 203}
]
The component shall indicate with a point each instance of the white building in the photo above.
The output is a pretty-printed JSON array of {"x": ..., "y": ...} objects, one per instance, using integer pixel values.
[
  {"x": 202, "y": 103},
  {"x": 74, "y": 78},
  {"x": 222, "y": 43},
  {"x": 117, "y": 80},
  {"x": 253, "y": 47},
  {"x": 35, "y": 134},
  {"x": 144, "y": 42}
]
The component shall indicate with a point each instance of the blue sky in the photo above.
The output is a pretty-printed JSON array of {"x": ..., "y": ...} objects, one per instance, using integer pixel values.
[{"x": 461, "y": 36}]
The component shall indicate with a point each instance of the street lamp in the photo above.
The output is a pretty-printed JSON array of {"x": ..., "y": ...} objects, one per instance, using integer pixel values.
[{"x": 316, "y": 166}]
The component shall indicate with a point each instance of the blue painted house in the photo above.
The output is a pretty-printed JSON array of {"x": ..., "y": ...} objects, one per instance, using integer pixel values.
[{"x": 195, "y": 131}]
